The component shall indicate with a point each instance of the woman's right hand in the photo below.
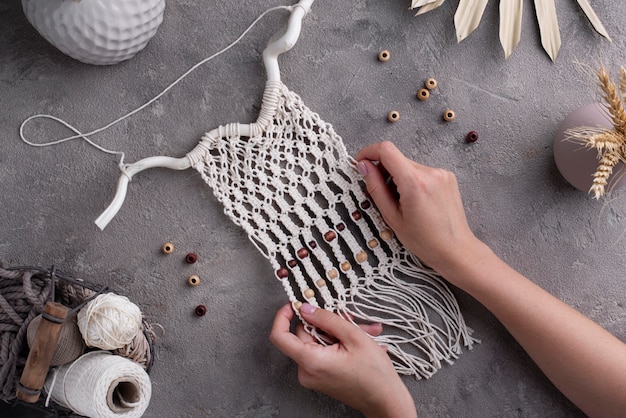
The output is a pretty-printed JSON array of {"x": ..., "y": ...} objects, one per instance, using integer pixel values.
[{"x": 428, "y": 217}]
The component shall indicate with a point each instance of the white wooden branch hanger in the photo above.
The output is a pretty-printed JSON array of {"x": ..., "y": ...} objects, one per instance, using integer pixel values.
[{"x": 270, "y": 61}]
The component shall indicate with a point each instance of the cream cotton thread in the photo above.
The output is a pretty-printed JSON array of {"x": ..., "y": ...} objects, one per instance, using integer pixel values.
[{"x": 289, "y": 184}]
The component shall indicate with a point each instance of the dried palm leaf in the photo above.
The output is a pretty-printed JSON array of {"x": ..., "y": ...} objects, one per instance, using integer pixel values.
[
  {"x": 510, "y": 24},
  {"x": 467, "y": 17},
  {"x": 420, "y": 3},
  {"x": 429, "y": 6},
  {"x": 548, "y": 27},
  {"x": 593, "y": 18},
  {"x": 469, "y": 13}
]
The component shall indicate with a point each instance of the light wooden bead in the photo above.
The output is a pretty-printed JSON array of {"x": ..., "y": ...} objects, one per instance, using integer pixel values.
[
  {"x": 393, "y": 116},
  {"x": 167, "y": 248},
  {"x": 384, "y": 55},
  {"x": 345, "y": 266},
  {"x": 431, "y": 83},
  {"x": 309, "y": 293},
  {"x": 386, "y": 234},
  {"x": 297, "y": 305},
  {"x": 332, "y": 274},
  {"x": 423, "y": 94},
  {"x": 373, "y": 243},
  {"x": 320, "y": 282},
  {"x": 193, "y": 280},
  {"x": 449, "y": 115},
  {"x": 361, "y": 257}
]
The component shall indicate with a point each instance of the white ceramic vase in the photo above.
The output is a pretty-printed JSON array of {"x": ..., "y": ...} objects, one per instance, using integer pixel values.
[
  {"x": 100, "y": 32},
  {"x": 577, "y": 163}
]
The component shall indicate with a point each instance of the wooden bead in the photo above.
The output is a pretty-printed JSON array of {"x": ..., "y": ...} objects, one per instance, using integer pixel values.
[
  {"x": 423, "y": 94},
  {"x": 167, "y": 248},
  {"x": 386, "y": 234},
  {"x": 430, "y": 83},
  {"x": 200, "y": 310},
  {"x": 330, "y": 235},
  {"x": 345, "y": 266},
  {"x": 332, "y": 274},
  {"x": 292, "y": 263},
  {"x": 393, "y": 116},
  {"x": 191, "y": 258},
  {"x": 303, "y": 253},
  {"x": 361, "y": 257},
  {"x": 356, "y": 215},
  {"x": 297, "y": 305},
  {"x": 282, "y": 273},
  {"x": 449, "y": 115},
  {"x": 320, "y": 282},
  {"x": 309, "y": 293},
  {"x": 373, "y": 243},
  {"x": 384, "y": 55},
  {"x": 472, "y": 136},
  {"x": 193, "y": 280}
]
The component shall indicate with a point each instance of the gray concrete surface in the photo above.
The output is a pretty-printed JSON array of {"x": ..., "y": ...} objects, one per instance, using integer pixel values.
[{"x": 222, "y": 365}]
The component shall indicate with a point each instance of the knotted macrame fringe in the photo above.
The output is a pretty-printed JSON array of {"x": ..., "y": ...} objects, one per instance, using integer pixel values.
[{"x": 295, "y": 191}]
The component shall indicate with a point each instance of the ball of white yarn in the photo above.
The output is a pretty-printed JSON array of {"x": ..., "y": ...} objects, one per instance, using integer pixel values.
[{"x": 109, "y": 321}]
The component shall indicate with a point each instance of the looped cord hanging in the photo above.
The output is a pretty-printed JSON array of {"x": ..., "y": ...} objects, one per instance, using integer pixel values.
[{"x": 86, "y": 136}]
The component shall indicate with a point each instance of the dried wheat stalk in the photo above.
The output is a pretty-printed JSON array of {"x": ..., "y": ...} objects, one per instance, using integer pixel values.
[{"x": 610, "y": 143}]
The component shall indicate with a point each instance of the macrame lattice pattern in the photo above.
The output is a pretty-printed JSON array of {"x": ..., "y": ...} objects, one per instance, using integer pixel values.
[{"x": 293, "y": 188}]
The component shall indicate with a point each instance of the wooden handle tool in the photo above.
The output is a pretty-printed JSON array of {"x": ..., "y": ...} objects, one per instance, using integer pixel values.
[{"x": 40, "y": 355}]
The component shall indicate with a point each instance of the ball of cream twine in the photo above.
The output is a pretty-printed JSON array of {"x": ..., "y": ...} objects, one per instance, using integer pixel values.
[{"x": 109, "y": 321}]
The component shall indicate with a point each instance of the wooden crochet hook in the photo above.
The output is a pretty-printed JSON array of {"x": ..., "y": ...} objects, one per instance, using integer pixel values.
[{"x": 42, "y": 351}]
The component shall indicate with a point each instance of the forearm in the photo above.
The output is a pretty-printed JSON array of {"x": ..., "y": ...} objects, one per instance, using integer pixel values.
[{"x": 583, "y": 360}]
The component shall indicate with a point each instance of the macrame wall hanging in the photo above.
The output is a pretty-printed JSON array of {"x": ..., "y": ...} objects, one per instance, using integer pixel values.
[{"x": 289, "y": 182}]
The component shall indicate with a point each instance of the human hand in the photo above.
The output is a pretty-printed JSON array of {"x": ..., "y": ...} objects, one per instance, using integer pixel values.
[
  {"x": 428, "y": 218},
  {"x": 355, "y": 370}
]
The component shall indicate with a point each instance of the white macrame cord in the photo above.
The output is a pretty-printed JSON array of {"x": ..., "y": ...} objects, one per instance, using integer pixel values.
[{"x": 295, "y": 191}]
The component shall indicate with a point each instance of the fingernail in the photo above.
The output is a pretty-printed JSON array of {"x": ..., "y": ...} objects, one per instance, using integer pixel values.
[
  {"x": 307, "y": 309},
  {"x": 362, "y": 168}
]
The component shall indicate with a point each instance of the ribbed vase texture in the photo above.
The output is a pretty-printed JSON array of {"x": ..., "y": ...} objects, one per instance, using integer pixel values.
[{"x": 100, "y": 32}]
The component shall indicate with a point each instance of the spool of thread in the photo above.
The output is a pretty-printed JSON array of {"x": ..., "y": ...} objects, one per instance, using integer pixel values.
[
  {"x": 70, "y": 345},
  {"x": 99, "y": 384},
  {"x": 109, "y": 321}
]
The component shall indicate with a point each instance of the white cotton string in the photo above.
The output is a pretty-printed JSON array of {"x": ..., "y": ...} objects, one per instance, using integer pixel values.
[
  {"x": 294, "y": 190},
  {"x": 109, "y": 321},
  {"x": 102, "y": 385},
  {"x": 85, "y": 136}
]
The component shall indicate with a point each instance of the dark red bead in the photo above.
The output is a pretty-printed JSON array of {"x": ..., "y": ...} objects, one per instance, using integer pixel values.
[
  {"x": 292, "y": 263},
  {"x": 282, "y": 273},
  {"x": 191, "y": 258},
  {"x": 312, "y": 244},
  {"x": 330, "y": 235},
  {"x": 340, "y": 227},
  {"x": 472, "y": 136},
  {"x": 303, "y": 253},
  {"x": 356, "y": 215},
  {"x": 366, "y": 204},
  {"x": 200, "y": 310}
]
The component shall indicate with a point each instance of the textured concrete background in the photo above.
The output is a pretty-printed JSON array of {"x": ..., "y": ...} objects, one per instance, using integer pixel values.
[{"x": 222, "y": 364}]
